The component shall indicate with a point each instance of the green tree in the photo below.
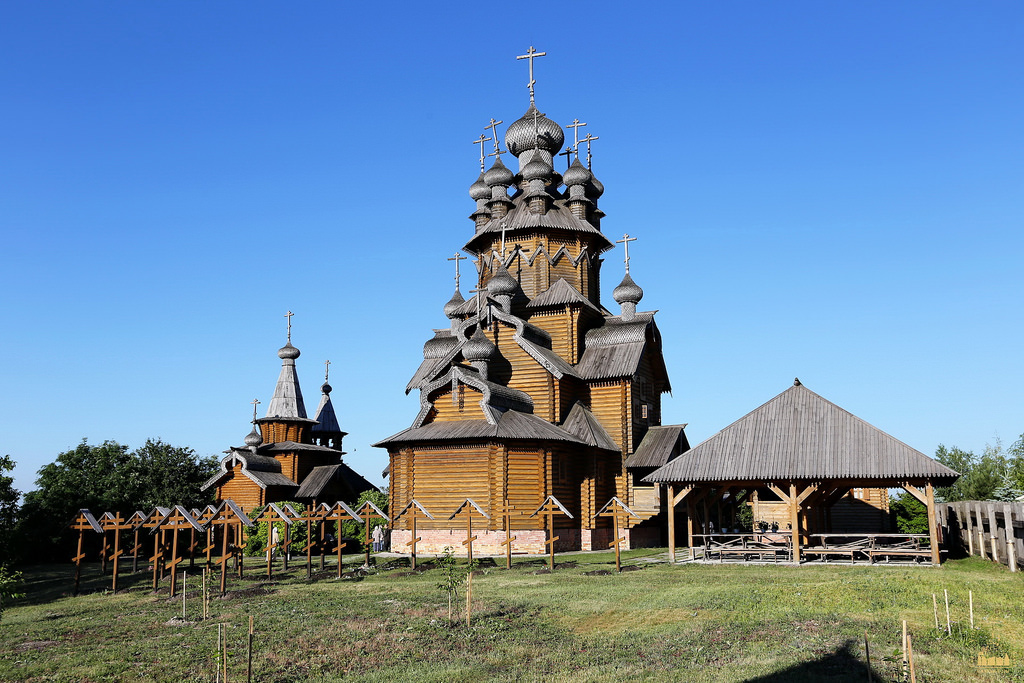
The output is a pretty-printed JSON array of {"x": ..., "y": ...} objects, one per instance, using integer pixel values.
[
  {"x": 108, "y": 478},
  {"x": 10, "y": 582},
  {"x": 8, "y": 509},
  {"x": 910, "y": 513},
  {"x": 980, "y": 475}
]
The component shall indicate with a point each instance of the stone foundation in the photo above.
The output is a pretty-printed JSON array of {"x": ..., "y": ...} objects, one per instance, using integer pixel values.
[{"x": 528, "y": 541}]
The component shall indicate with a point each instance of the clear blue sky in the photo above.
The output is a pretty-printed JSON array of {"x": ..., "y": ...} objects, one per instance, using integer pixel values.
[{"x": 824, "y": 190}]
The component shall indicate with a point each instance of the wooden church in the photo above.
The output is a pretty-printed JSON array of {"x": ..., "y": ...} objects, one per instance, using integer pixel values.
[
  {"x": 535, "y": 389},
  {"x": 288, "y": 456}
]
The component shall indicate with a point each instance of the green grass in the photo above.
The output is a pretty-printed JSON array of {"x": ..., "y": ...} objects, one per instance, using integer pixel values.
[{"x": 660, "y": 623}]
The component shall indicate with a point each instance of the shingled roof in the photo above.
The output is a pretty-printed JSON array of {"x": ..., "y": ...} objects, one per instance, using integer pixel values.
[
  {"x": 800, "y": 435},
  {"x": 659, "y": 446},
  {"x": 511, "y": 425}
]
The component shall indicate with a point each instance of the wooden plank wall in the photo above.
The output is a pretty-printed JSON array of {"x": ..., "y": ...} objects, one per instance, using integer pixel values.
[
  {"x": 244, "y": 491},
  {"x": 465, "y": 407},
  {"x": 989, "y": 529}
]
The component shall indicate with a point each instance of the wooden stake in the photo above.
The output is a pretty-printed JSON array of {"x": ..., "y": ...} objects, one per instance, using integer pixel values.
[
  {"x": 184, "y": 592},
  {"x": 904, "y": 643},
  {"x": 225, "y": 660},
  {"x": 248, "y": 669},
  {"x": 216, "y": 661},
  {"x": 949, "y": 627},
  {"x": 867, "y": 655},
  {"x": 910, "y": 653},
  {"x": 469, "y": 595},
  {"x": 935, "y": 609},
  {"x": 970, "y": 598}
]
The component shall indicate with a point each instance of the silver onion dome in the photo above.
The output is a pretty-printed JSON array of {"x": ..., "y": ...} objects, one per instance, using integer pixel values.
[
  {"x": 577, "y": 174},
  {"x": 326, "y": 388},
  {"x": 537, "y": 169},
  {"x": 627, "y": 291},
  {"x": 521, "y": 137},
  {"x": 498, "y": 174},
  {"x": 451, "y": 308},
  {"x": 595, "y": 188},
  {"x": 288, "y": 352},
  {"x": 479, "y": 347},
  {"x": 479, "y": 189},
  {"x": 502, "y": 283},
  {"x": 253, "y": 438}
]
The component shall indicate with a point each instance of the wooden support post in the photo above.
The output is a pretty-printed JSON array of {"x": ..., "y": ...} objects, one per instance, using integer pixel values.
[
  {"x": 933, "y": 535},
  {"x": 794, "y": 516},
  {"x": 506, "y": 516},
  {"x": 156, "y": 560},
  {"x": 135, "y": 552},
  {"x": 981, "y": 530},
  {"x": 1011, "y": 537},
  {"x": 78, "y": 561},
  {"x": 174, "y": 561},
  {"x": 993, "y": 529},
  {"x": 341, "y": 544},
  {"x": 671, "y": 523},
  {"x": 412, "y": 543},
  {"x": 117, "y": 549},
  {"x": 224, "y": 558},
  {"x": 966, "y": 516},
  {"x": 322, "y": 527}
]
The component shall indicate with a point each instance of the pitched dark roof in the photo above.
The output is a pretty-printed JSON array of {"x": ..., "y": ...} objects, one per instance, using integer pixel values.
[
  {"x": 328, "y": 478},
  {"x": 659, "y": 446},
  {"x": 520, "y": 216},
  {"x": 616, "y": 348},
  {"x": 512, "y": 425},
  {"x": 561, "y": 293},
  {"x": 800, "y": 435},
  {"x": 582, "y": 424}
]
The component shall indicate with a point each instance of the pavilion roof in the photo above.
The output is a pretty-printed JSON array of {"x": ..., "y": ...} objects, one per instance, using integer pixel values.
[{"x": 800, "y": 435}]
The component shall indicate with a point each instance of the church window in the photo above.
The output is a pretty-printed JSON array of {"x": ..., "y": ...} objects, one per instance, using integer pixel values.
[{"x": 858, "y": 494}]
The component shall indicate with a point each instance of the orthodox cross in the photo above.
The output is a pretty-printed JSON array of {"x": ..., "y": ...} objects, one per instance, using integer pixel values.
[
  {"x": 531, "y": 54},
  {"x": 504, "y": 227},
  {"x": 494, "y": 134},
  {"x": 476, "y": 292},
  {"x": 255, "y": 402},
  {"x": 575, "y": 125},
  {"x": 567, "y": 153},
  {"x": 457, "y": 257},
  {"x": 327, "y": 370},
  {"x": 626, "y": 239},
  {"x": 289, "y": 315},
  {"x": 480, "y": 141},
  {"x": 590, "y": 138}
]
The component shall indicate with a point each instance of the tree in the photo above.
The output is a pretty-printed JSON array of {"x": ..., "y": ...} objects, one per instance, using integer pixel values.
[
  {"x": 108, "y": 478},
  {"x": 910, "y": 513},
  {"x": 980, "y": 475},
  {"x": 8, "y": 508}
]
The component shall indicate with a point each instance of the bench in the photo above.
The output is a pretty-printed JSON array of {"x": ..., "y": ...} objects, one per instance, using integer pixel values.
[{"x": 916, "y": 553}]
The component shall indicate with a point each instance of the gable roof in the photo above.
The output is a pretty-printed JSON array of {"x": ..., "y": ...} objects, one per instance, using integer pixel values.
[
  {"x": 582, "y": 424},
  {"x": 659, "y": 446},
  {"x": 561, "y": 293},
  {"x": 321, "y": 478},
  {"x": 512, "y": 425},
  {"x": 800, "y": 435}
]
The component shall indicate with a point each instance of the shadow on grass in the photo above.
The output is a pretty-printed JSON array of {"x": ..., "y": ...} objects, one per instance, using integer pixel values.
[{"x": 843, "y": 664}]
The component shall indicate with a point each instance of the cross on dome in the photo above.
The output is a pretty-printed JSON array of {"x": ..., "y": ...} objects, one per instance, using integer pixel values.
[
  {"x": 576, "y": 125},
  {"x": 590, "y": 138},
  {"x": 480, "y": 141},
  {"x": 289, "y": 315},
  {"x": 626, "y": 239},
  {"x": 531, "y": 54},
  {"x": 457, "y": 257},
  {"x": 494, "y": 135},
  {"x": 327, "y": 369},
  {"x": 255, "y": 402}
]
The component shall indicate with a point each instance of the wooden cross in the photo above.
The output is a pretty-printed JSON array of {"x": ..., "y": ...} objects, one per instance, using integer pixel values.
[
  {"x": 273, "y": 514},
  {"x": 567, "y": 154},
  {"x": 82, "y": 523},
  {"x": 504, "y": 227},
  {"x": 476, "y": 292},
  {"x": 549, "y": 508},
  {"x": 338, "y": 513},
  {"x": 310, "y": 515},
  {"x": 289, "y": 315},
  {"x": 613, "y": 508},
  {"x": 411, "y": 509},
  {"x": 134, "y": 523},
  {"x": 494, "y": 134},
  {"x": 255, "y": 402},
  {"x": 531, "y": 54},
  {"x": 506, "y": 517},
  {"x": 576, "y": 125},
  {"x": 480, "y": 141},
  {"x": 590, "y": 138},
  {"x": 626, "y": 239},
  {"x": 178, "y": 520},
  {"x": 152, "y": 522},
  {"x": 470, "y": 507},
  {"x": 116, "y": 523},
  {"x": 231, "y": 518},
  {"x": 369, "y": 511},
  {"x": 457, "y": 257}
]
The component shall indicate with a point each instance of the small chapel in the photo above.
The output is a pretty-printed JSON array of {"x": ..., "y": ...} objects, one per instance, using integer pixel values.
[
  {"x": 534, "y": 389},
  {"x": 288, "y": 456}
]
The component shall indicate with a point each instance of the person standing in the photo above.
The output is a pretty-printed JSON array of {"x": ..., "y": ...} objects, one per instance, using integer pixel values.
[{"x": 378, "y": 538}]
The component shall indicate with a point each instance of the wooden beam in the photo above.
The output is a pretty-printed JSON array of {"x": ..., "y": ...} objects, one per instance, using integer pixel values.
[
  {"x": 685, "y": 491},
  {"x": 933, "y": 532},
  {"x": 672, "y": 523},
  {"x": 794, "y": 516},
  {"x": 811, "y": 488},
  {"x": 915, "y": 492},
  {"x": 780, "y": 493}
]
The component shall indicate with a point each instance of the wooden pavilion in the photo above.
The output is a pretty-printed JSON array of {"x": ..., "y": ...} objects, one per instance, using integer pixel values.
[
  {"x": 804, "y": 453},
  {"x": 534, "y": 389}
]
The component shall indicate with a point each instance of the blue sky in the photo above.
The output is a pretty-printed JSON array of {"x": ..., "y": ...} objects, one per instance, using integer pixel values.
[{"x": 823, "y": 190}]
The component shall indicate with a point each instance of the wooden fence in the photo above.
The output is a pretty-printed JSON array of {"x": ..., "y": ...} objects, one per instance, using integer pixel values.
[{"x": 989, "y": 529}]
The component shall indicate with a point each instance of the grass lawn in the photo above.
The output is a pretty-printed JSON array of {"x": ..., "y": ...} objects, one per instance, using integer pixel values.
[{"x": 582, "y": 622}]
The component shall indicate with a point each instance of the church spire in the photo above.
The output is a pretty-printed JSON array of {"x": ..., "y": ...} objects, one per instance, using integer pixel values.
[
  {"x": 287, "y": 399},
  {"x": 327, "y": 431}
]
